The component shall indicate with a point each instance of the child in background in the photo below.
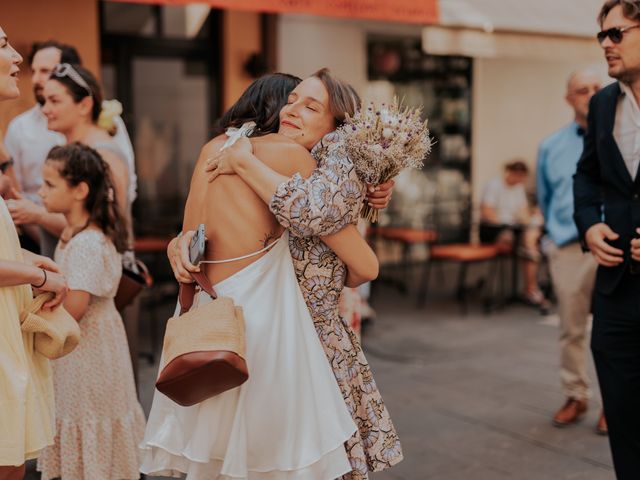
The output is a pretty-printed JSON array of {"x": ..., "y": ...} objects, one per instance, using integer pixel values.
[{"x": 98, "y": 417}]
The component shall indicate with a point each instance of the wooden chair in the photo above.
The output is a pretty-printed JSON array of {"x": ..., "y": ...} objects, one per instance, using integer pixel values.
[
  {"x": 465, "y": 254},
  {"x": 407, "y": 238}
]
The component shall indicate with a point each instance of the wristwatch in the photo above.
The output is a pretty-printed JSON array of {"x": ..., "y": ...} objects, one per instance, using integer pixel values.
[{"x": 5, "y": 165}]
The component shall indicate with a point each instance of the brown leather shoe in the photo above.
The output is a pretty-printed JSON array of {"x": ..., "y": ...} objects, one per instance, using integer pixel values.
[
  {"x": 571, "y": 412},
  {"x": 601, "y": 428}
]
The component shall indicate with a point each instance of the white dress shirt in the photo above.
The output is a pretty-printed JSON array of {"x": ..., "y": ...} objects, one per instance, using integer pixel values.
[
  {"x": 626, "y": 130},
  {"x": 506, "y": 200},
  {"x": 28, "y": 141}
]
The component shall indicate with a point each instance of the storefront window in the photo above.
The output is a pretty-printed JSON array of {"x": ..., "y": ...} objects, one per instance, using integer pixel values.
[{"x": 439, "y": 196}]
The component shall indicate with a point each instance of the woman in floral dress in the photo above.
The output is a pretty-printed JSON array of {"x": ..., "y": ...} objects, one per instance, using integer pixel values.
[{"x": 323, "y": 204}]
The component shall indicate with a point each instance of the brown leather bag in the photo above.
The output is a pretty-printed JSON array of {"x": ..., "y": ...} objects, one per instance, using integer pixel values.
[
  {"x": 131, "y": 284},
  {"x": 204, "y": 348}
]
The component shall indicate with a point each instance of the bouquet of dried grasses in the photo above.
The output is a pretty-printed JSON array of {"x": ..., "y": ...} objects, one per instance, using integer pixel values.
[{"x": 381, "y": 140}]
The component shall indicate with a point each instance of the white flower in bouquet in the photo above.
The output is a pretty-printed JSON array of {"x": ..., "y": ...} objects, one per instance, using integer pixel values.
[{"x": 384, "y": 140}]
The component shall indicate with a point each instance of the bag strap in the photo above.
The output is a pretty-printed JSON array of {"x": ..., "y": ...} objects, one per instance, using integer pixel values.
[
  {"x": 188, "y": 290},
  {"x": 144, "y": 271}
]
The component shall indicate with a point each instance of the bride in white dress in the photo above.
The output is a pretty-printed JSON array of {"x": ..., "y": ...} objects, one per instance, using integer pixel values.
[{"x": 289, "y": 420}]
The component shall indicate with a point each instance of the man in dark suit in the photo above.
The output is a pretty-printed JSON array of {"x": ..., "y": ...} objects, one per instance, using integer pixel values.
[{"x": 607, "y": 182}]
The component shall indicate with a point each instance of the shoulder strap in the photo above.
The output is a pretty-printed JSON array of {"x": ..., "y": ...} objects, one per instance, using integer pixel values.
[{"x": 188, "y": 290}]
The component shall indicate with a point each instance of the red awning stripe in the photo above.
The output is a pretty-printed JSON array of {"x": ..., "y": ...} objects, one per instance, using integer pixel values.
[{"x": 408, "y": 11}]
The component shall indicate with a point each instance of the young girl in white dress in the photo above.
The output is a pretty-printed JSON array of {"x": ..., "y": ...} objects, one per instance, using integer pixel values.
[{"x": 99, "y": 421}]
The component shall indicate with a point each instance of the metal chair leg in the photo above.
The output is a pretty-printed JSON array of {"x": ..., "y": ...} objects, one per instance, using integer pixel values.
[
  {"x": 462, "y": 291},
  {"x": 423, "y": 287},
  {"x": 404, "y": 268},
  {"x": 490, "y": 289}
]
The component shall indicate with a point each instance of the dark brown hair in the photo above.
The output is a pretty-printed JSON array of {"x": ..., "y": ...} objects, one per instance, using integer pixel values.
[
  {"x": 68, "y": 53},
  {"x": 261, "y": 102},
  {"x": 78, "y": 92},
  {"x": 630, "y": 9},
  {"x": 517, "y": 165},
  {"x": 343, "y": 98},
  {"x": 79, "y": 163}
]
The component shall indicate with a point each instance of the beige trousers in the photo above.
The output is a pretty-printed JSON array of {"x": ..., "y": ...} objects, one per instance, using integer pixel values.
[{"x": 573, "y": 274}]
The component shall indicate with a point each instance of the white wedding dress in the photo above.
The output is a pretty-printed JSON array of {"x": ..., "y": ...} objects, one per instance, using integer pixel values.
[{"x": 287, "y": 422}]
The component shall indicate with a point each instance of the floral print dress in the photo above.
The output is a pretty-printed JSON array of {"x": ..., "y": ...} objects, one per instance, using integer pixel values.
[
  {"x": 323, "y": 204},
  {"x": 99, "y": 421}
]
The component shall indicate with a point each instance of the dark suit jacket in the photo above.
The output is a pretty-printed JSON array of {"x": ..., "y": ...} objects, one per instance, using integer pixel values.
[{"x": 602, "y": 184}]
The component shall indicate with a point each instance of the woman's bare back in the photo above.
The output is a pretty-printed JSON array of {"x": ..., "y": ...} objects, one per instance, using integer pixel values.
[{"x": 237, "y": 221}]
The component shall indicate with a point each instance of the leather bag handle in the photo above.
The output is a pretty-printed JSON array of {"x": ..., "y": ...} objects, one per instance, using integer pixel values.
[{"x": 188, "y": 290}]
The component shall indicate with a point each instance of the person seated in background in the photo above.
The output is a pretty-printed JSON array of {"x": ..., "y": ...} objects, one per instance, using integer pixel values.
[{"x": 508, "y": 220}]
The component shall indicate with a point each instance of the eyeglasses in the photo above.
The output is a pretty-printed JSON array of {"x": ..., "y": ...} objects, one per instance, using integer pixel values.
[
  {"x": 67, "y": 70},
  {"x": 615, "y": 33}
]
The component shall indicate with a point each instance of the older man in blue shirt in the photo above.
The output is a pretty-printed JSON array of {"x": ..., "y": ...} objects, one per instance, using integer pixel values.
[{"x": 572, "y": 271}]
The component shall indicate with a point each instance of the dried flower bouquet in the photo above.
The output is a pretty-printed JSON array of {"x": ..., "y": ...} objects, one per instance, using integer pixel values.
[{"x": 383, "y": 140}]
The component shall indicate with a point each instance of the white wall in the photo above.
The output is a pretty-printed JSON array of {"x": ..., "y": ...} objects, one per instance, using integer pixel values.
[
  {"x": 307, "y": 43},
  {"x": 517, "y": 103}
]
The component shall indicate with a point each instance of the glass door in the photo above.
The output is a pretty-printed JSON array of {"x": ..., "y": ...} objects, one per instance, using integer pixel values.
[
  {"x": 171, "y": 123},
  {"x": 162, "y": 64}
]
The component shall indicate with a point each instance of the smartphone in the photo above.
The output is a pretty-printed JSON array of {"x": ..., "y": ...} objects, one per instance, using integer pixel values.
[{"x": 197, "y": 246}]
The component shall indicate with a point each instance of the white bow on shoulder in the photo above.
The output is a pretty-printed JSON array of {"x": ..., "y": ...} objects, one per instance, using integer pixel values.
[{"x": 235, "y": 133}]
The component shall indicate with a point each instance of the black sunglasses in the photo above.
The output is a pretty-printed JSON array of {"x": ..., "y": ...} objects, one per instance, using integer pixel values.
[{"x": 615, "y": 33}]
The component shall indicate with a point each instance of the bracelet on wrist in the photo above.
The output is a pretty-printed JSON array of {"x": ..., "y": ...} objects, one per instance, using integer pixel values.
[{"x": 43, "y": 281}]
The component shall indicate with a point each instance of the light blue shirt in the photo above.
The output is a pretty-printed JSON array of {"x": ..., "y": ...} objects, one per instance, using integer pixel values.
[{"x": 558, "y": 157}]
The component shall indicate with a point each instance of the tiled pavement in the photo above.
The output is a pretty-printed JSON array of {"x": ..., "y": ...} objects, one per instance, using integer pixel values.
[{"x": 471, "y": 396}]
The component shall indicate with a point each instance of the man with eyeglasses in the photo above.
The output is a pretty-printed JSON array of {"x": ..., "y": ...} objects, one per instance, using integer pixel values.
[
  {"x": 28, "y": 141},
  {"x": 572, "y": 272},
  {"x": 607, "y": 182}
]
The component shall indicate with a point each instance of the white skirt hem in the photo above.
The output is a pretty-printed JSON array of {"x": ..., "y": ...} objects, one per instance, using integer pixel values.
[{"x": 159, "y": 461}]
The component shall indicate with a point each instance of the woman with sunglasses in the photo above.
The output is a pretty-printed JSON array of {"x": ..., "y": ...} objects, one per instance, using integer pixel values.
[
  {"x": 73, "y": 102},
  {"x": 73, "y": 105},
  {"x": 26, "y": 390}
]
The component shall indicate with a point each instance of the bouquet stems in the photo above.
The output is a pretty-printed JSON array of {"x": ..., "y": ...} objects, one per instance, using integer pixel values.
[{"x": 370, "y": 214}]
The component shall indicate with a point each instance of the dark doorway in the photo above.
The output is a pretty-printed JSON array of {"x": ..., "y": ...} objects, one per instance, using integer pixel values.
[{"x": 162, "y": 63}]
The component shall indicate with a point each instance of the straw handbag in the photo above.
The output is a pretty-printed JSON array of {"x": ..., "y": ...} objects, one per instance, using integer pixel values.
[
  {"x": 56, "y": 333},
  {"x": 204, "y": 348}
]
